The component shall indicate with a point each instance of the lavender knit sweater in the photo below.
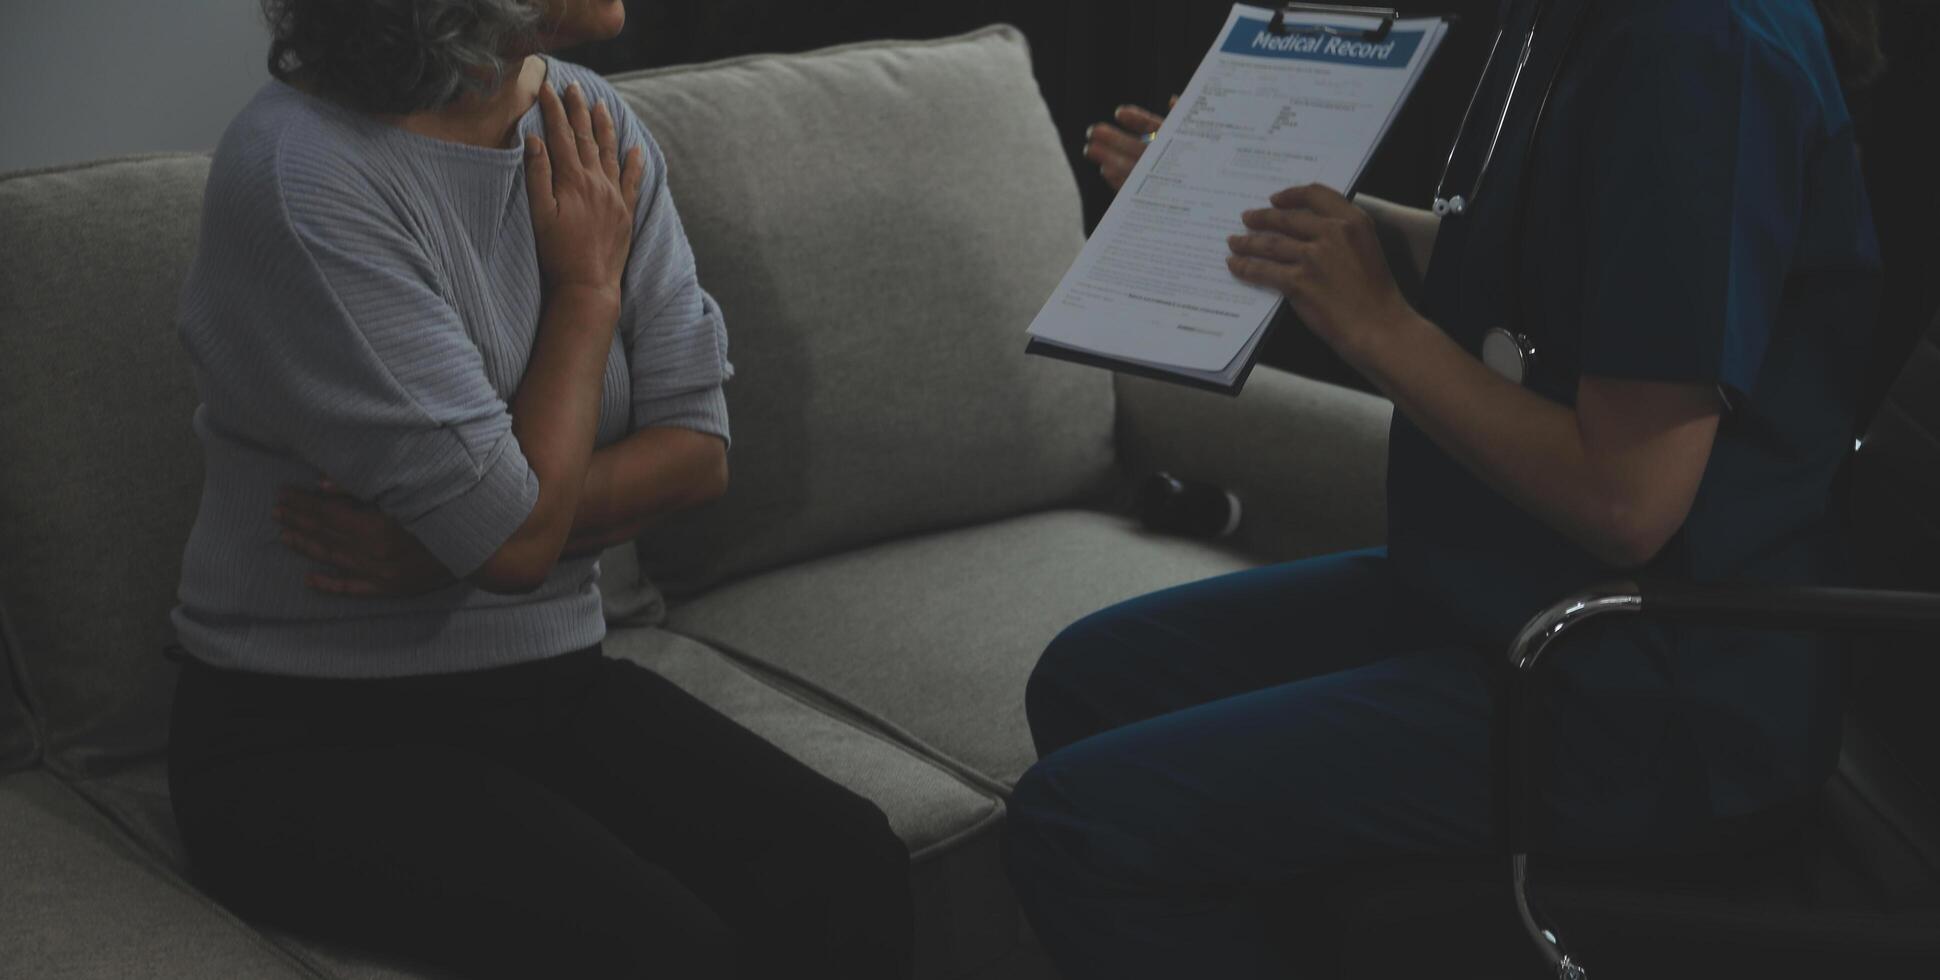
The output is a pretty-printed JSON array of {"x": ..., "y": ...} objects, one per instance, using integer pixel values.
[{"x": 362, "y": 304}]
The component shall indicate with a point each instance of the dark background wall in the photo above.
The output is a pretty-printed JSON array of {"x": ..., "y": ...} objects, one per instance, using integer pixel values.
[{"x": 1092, "y": 55}]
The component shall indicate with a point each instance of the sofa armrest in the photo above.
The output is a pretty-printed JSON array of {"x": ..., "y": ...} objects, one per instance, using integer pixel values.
[{"x": 1308, "y": 460}]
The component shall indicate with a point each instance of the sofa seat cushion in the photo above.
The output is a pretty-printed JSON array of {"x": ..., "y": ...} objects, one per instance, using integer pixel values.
[
  {"x": 934, "y": 637},
  {"x": 77, "y": 899},
  {"x": 965, "y": 915},
  {"x": 879, "y": 224}
]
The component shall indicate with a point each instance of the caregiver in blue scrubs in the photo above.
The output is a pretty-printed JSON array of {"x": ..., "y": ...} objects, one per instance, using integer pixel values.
[{"x": 1689, "y": 246}]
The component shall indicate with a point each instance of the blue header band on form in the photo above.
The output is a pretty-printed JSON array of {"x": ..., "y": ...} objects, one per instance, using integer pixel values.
[{"x": 1252, "y": 37}]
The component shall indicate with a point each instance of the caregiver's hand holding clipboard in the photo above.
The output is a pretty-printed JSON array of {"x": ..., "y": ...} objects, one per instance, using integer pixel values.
[{"x": 1276, "y": 102}]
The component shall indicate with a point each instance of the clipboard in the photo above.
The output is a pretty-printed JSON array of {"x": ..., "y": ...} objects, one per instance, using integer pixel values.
[
  {"x": 1119, "y": 366},
  {"x": 1384, "y": 19},
  {"x": 1380, "y": 25}
]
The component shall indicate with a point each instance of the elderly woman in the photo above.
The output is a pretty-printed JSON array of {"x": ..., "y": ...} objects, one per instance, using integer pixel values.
[{"x": 450, "y": 345}]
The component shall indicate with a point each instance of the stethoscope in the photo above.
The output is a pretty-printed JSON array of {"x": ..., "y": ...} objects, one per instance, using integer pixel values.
[{"x": 1508, "y": 351}]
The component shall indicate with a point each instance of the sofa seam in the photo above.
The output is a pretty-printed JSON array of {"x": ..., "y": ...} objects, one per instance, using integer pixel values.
[
  {"x": 146, "y": 858},
  {"x": 863, "y": 718},
  {"x": 750, "y": 668}
]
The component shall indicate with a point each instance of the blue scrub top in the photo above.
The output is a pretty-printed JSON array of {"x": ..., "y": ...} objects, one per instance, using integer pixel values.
[{"x": 1693, "y": 212}]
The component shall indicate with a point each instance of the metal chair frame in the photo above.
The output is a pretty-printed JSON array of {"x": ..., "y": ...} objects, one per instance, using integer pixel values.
[{"x": 1761, "y": 607}]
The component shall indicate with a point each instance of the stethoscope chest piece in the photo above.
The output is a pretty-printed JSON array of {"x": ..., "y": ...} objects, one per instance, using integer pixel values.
[{"x": 1509, "y": 354}]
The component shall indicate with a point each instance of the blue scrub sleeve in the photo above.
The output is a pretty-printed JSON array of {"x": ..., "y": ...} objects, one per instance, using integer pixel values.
[{"x": 1697, "y": 175}]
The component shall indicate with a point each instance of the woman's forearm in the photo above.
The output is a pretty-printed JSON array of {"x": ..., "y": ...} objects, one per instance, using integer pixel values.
[
  {"x": 1525, "y": 446},
  {"x": 1616, "y": 474},
  {"x": 648, "y": 475},
  {"x": 555, "y": 413}
]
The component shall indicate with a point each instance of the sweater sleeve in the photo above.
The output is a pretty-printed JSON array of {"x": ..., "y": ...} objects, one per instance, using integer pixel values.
[
  {"x": 315, "y": 321},
  {"x": 674, "y": 334}
]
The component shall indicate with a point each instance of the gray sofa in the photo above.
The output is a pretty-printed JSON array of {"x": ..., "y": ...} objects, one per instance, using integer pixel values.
[{"x": 917, "y": 508}]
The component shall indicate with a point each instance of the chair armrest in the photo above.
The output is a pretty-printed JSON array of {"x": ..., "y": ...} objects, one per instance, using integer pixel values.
[
  {"x": 1308, "y": 460},
  {"x": 1794, "y": 607},
  {"x": 1776, "y": 607}
]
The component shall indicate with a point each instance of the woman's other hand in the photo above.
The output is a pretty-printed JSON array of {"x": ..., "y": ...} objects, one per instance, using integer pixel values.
[
  {"x": 1321, "y": 252},
  {"x": 1115, "y": 148},
  {"x": 367, "y": 552},
  {"x": 582, "y": 198}
]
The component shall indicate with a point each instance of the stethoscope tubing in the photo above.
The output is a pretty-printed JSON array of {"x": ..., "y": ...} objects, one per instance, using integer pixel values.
[{"x": 1457, "y": 206}]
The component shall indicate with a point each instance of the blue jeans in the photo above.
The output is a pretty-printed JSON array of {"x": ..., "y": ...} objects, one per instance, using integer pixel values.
[{"x": 1206, "y": 744}]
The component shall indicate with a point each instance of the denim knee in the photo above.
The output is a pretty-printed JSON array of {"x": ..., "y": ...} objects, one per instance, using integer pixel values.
[
  {"x": 1054, "y": 696},
  {"x": 1024, "y": 824},
  {"x": 1042, "y": 842}
]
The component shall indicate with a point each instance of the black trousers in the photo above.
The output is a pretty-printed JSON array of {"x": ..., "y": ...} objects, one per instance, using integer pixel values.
[{"x": 573, "y": 817}]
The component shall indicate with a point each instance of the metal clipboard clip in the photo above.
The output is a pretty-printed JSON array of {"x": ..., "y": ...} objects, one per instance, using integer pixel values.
[{"x": 1374, "y": 35}]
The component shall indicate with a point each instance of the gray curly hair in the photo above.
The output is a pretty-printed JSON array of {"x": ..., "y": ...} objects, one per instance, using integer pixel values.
[{"x": 396, "y": 56}]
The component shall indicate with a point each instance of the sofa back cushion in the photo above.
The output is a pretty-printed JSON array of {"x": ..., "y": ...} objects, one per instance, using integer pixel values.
[
  {"x": 101, "y": 470},
  {"x": 879, "y": 223}
]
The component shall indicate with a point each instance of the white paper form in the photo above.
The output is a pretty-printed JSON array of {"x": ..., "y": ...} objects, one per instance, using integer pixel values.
[{"x": 1263, "y": 112}]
